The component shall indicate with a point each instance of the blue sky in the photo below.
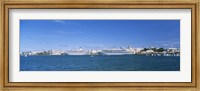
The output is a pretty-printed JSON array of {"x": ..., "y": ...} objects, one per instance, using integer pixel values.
[{"x": 97, "y": 34}]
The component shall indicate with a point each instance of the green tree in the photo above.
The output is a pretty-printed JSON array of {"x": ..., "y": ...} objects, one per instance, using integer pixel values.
[{"x": 160, "y": 50}]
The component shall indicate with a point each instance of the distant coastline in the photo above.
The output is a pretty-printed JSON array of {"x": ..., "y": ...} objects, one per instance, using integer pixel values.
[{"x": 115, "y": 51}]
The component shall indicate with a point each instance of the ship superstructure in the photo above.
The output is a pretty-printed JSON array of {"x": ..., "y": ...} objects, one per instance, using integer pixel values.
[
  {"x": 77, "y": 52},
  {"x": 121, "y": 51}
]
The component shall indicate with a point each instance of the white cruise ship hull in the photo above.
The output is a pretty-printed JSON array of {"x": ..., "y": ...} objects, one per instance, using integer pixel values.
[
  {"x": 76, "y": 53},
  {"x": 117, "y": 53}
]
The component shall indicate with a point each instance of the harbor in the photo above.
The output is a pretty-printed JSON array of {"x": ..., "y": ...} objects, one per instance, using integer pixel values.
[
  {"x": 114, "y": 51},
  {"x": 100, "y": 45}
]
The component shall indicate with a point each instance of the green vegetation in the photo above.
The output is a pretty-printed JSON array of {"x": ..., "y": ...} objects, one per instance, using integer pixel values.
[
  {"x": 155, "y": 49},
  {"x": 43, "y": 53}
]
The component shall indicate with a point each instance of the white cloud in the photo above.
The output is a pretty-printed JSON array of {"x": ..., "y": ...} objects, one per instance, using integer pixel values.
[{"x": 69, "y": 22}]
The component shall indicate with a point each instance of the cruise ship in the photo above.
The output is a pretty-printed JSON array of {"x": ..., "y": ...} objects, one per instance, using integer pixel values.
[
  {"x": 116, "y": 52},
  {"x": 76, "y": 52}
]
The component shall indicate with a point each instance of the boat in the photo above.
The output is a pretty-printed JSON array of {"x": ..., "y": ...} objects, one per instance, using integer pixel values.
[
  {"x": 76, "y": 52},
  {"x": 116, "y": 52}
]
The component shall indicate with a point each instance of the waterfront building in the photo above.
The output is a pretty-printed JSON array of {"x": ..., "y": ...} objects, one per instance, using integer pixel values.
[
  {"x": 150, "y": 51},
  {"x": 173, "y": 50},
  {"x": 93, "y": 52},
  {"x": 55, "y": 52},
  {"x": 115, "y": 51},
  {"x": 138, "y": 50}
]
